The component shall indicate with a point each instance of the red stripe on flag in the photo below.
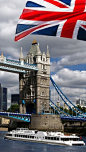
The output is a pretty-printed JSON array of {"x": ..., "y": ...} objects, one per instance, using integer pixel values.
[
  {"x": 20, "y": 36},
  {"x": 56, "y": 3},
  {"x": 79, "y": 5},
  {"x": 69, "y": 25},
  {"x": 36, "y": 15},
  {"x": 83, "y": 26},
  {"x": 68, "y": 28}
]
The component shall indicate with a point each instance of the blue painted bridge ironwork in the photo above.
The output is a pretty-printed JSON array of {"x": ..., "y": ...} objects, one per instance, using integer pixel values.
[
  {"x": 17, "y": 116},
  {"x": 79, "y": 114},
  {"x": 73, "y": 118},
  {"x": 16, "y": 66},
  {"x": 27, "y": 117}
]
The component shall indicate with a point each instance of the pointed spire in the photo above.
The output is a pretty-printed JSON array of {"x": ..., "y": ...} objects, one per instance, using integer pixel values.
[
  {"x": 21, "y": 54},
  {"x": 34, "y": 41},
  {"x": 38, "y": 50},
  {"x": 47, "y": 53}
]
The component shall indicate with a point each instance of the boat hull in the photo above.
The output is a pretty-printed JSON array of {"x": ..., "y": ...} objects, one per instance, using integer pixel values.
[{"x": 47, "y": 142}]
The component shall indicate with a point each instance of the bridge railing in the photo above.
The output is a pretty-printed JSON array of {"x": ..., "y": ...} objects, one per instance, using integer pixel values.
[
  {"x": 20, "y": 63},
  {"x": 19, "y": 116}
]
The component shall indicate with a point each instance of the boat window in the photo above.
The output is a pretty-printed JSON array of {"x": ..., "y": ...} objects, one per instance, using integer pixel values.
[
  {"x": 75, "y": 139},
  {"x": 55, "y": 138},
  {"x": 65, "y": 139},
  {"x": 71, "y": 139},
  {"x": 77, "y": 144},
  {"x": 51, "y": 138},
  {"x": 48, "y": 137},
  {"x": 9, "y": 134}
]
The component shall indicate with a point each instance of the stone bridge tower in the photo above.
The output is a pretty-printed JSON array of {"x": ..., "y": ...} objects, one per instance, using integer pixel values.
[{"x": 34, "y": 85}]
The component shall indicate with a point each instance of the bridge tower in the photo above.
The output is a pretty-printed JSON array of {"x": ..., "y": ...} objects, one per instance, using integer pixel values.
[{"x": 34, "y": 85}]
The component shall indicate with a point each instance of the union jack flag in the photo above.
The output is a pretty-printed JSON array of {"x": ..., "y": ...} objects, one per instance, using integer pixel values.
[{"x": 60, "y": 18}]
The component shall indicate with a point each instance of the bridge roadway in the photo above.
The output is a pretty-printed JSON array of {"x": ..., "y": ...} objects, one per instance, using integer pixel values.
[
  {"x": 16, "y": 66},
  {"x": 73, "y": 118},
  {"x": 27, "y": 117},
  {"x": 16, "y": 116}
]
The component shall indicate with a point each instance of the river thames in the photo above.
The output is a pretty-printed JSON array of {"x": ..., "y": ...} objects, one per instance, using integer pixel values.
[{"x": 21, "y": 146}]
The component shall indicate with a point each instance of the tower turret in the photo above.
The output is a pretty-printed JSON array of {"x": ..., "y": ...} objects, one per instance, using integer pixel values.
[
  {"x": 47, "y": 53},
  {"x": 21, "y": 59},
  {"x": 21, "y": 55}
]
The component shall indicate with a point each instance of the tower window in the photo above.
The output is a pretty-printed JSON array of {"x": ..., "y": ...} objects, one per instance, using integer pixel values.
[
  {"x": 42, "y": 93},
  {"x": 43, "y": 66},
  {"x": 33, "y": 93},
  {"x": 43, "y": 59}
]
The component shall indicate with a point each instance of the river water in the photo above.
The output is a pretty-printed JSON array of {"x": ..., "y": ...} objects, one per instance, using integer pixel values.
[{"x": 21, "y": 146}]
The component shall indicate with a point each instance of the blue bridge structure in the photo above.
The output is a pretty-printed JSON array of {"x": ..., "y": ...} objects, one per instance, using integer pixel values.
[
  {"x": 80, "y": 116},
  {"x": 16, "y": 66},
  {"x": 16, "y": 116},
  {"x": 70, "y": 105}
]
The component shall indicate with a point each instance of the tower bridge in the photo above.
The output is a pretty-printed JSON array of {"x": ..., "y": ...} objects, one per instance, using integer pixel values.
[
  {"x": 34, "y": 78},
  {"x": 34, "y": 90}
]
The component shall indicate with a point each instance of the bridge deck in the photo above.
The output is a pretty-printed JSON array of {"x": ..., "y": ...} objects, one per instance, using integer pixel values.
[
  {"x": 16, "y": 116},
  {"x": 16, "y": 66}
]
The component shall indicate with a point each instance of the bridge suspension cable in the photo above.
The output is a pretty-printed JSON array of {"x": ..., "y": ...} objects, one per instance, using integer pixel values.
[
  {"x": 71, "y": 106},
  {"x": 58, "y": 109}
]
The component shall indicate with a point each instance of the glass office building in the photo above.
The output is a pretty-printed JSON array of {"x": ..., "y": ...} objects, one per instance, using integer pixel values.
[
  {"x": 14, "y": 99},
  {"x": 3, "y": 98}
]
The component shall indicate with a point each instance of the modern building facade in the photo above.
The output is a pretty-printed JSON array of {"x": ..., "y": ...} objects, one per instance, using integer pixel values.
[
  {"x": 3, "y": 98},
  {"x": 14, "y": 99},
  {"x": 80, "y": 103},
  {"x": 34, "y": 85}
]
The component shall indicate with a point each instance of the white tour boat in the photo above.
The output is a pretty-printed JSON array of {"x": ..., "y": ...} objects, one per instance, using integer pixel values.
[{"x": 56, "y": 138}]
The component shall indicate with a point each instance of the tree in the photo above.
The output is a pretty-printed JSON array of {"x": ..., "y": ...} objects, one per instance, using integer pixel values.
[{"x": 13, "y": 108}]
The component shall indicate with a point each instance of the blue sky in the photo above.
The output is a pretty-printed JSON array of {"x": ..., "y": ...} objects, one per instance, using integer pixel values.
[{"x": 79, "y": 67}]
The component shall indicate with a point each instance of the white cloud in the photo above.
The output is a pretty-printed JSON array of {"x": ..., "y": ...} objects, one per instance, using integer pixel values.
[
  {"x": 8, "y": 103},
  {"x": 69, "y": 60},
  {"x": 69, "y": 78},
  {"x": 72, "y": 84}
]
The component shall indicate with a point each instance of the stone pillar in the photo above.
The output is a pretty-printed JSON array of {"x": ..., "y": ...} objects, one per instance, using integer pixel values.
[{"x": 21, "y": 93}]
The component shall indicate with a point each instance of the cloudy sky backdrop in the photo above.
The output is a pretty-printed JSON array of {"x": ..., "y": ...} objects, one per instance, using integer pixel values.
[{"x": 68, "y": 57}]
